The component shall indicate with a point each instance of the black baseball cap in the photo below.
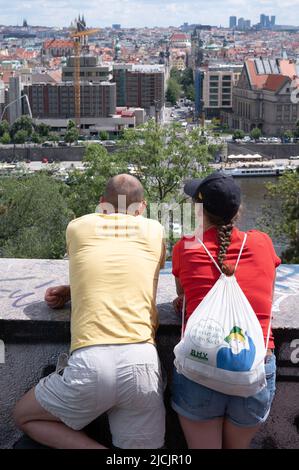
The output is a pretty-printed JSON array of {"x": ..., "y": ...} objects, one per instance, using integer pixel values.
[{"x": 218, "y": 192}]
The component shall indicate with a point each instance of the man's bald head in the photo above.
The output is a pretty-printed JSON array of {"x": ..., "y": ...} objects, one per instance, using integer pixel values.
[{"x": 122, "y": 191}]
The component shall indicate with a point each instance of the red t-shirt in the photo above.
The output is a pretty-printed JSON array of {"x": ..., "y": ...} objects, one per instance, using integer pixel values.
[{"x": 255, "y": 273}]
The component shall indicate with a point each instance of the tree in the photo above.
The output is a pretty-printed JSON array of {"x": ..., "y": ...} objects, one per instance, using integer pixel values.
[
  {"x": 36, "y": 138},
  {"x": 288, "y": 135},
  {"x": 20, "y": 137},
  {"x": 256, "y": 133},
  {"x": 163, "y": 156},
  {"x": 71, "y": 135},
  {"x": 238, "y": 134},
  {"x": 187, "y": 79},
  {"x": 190, "y": 92},
  {"x": 42, "y": 129},
  {"x": 71, "y": 125},
  {"x": 103, "y": 135},
  {"x": 280, "y": 219},
  {"x": 33, "y": 218},
  {"x": 173, "y": 91},
  {"x": 86, "y": 187},
  {"x": 53, "y": 137},
  {"x": 24, "y": 123},
  {"x": 4, "y": 128},
  {"x": 176, "y": 75},
  {"x": 5, "y": 139}
]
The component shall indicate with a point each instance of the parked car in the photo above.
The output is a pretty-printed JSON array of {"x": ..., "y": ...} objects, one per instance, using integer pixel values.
[{"x": 48, "y": 144}]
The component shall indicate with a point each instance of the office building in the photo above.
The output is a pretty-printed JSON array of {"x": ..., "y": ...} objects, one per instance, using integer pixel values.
[
  {"x": 232, "y": 22},
  {"x": 263, "y": 97},
  {"x": 215, "y": 94},
  {"x": 91, "y": 70}
]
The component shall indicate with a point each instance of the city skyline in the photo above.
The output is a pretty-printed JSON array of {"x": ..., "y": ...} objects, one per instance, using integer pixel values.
[{"x": 140, "y": 13}]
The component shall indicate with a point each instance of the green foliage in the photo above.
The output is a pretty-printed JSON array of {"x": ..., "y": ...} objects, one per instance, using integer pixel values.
[
  {"x": 162, "y": 157},
  {"x": 282, "y": 221},
  {"x": 256, "y": 133},
  {"x": 36, "y": 138},
  {"x": 24, "y": 123},
  {"x": 71, "y": 135},
  {"x": 20, "y": 137},
  {"x": 173, "y": 91},
  {"x": 88, "y": 186},
  {"x": 5, "y": 139},
  {"x": 185, "y": 81},
  {"x": 71, "y": 125},
  {"x": 42, "y": 129},
  {"x": 53, "y": 137},
  {"x": 288, "y": 135},
  {"x": 33, "y": 217},
  {"x": 4, "y": 128},
  {"x": 190, "y": 92},
  {"x": 238, "y": 134},
  {"x": 103, "y": 135}
]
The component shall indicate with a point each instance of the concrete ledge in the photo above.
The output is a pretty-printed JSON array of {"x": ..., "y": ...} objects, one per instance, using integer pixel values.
[{"x": 34, "y": 335}]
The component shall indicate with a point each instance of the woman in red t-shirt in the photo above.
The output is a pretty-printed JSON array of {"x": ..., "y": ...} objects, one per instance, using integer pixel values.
[{"x": 211, "y": 419}]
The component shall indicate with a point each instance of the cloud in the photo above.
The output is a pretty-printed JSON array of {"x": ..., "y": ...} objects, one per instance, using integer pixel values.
[{"x": 145, "y": 12}]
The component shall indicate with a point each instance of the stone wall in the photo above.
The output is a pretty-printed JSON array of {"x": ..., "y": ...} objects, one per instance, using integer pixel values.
[
  {"x": 270, "y": 151},
  {"x": 36, "y": 154},
  {"x": 34, "y": 335}
]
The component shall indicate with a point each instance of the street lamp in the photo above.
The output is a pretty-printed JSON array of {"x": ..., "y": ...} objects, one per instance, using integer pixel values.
[{"x": 15, "y": 101}]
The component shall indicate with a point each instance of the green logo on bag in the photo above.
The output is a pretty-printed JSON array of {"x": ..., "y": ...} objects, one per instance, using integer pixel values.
[{"x": 199, "y": 355}]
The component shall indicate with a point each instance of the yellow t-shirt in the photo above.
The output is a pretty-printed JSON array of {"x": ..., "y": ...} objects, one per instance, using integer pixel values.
[{"x": 114, "y": 263}]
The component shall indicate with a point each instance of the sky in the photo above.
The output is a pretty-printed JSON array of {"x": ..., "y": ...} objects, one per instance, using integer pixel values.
[{"x": 139, "y": 13}]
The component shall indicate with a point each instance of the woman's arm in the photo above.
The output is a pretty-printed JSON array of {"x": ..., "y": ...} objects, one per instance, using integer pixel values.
[{"x": 179, "y": 289}]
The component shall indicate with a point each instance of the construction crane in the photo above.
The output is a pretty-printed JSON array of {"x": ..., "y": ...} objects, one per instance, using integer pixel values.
[{"x": 77, "y": 36}]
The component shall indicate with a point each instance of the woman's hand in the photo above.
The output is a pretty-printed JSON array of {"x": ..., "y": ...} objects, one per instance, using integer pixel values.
[{"x": 57, "y": 297}]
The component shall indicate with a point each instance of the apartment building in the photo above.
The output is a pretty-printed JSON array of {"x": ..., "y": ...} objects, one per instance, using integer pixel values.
[
  {"x": 58, "y": 101},
  {"x": 140, "y": 86},
  {"x": 266, "y": 97},
  {"x": 214, "y": 90}
]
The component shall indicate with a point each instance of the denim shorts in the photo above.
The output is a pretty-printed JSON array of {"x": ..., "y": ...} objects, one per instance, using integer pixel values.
[{"x": 199, "y": 403}]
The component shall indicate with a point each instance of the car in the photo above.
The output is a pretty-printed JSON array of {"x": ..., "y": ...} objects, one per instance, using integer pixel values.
[
  {"x": 294, "y": 157},
  {"x": 48, "y": 144}
]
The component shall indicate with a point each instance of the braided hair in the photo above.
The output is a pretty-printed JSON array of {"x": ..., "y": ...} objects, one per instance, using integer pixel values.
[{"x": 224, "y": 231}]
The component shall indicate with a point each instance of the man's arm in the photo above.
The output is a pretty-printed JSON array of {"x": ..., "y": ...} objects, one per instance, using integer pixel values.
[{"x": 57, "y": 297}]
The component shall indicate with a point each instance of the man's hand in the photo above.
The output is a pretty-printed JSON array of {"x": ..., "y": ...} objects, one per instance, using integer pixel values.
[
  {"x": 57, "y": 297},
  {"x": 178, "y": 304}
]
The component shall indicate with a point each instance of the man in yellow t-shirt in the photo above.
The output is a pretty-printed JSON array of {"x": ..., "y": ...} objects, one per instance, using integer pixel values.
[{"x": 114, "y": 262}]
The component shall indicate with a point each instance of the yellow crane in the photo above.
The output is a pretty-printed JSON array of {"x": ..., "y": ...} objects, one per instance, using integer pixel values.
[{"x": 77, "y": 36}]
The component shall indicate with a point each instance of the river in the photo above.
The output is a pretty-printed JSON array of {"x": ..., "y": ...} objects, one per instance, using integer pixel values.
[{"x": 253, "y": 198}]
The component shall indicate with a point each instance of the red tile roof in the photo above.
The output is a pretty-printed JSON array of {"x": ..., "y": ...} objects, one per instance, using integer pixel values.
[
  {"x": 275, "y": 82},
  {"x": 58, "y": 43},
  {"x": 179, "y": 37},
  {"x": 272, "y": 81}
]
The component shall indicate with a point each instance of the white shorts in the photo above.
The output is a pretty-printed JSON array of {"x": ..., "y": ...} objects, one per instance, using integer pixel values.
[{"x": 123, "y": 380}]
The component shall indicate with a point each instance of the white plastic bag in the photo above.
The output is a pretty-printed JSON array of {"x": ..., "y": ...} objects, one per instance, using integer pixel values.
[{"x": 223, "y": 346}]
